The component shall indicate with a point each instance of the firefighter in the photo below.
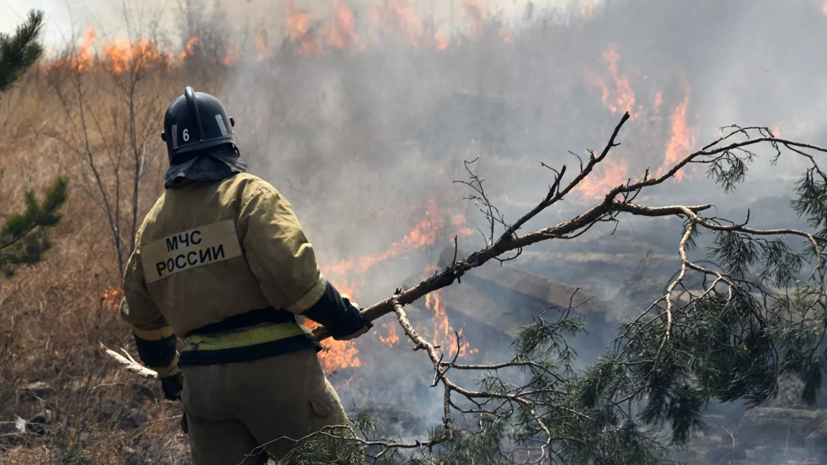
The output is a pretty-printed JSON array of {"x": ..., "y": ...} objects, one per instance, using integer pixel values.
[{"x": 222, "y": 262}]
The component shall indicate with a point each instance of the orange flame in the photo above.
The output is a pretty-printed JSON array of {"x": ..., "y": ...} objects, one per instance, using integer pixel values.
[
  {"x": 188, "y": 49},
  {"x": 683, "y": 136},
  {"x": 392, "y": 338},
  {"x": 121, "y": 55},
  {"x": 233, "y": 54},
  {"x": 608, "y": 175},
  {"x": 443, "y": 333},
  {"x": 778, "y": 129},
  {"x": 621, "y": 98},
  {"x": 80, "y": 58},
  {"x": 505, "y": 36},
  {"x": 425, "y": 233},
  {"x": 111, "y": 298},
  {"x": 393, "y": 15},
  {"x": 343, "y": 30},
  {"x": 260, "y": 43},
  {"x": 658, "y": 101},
  {"x": 336, "y": 354},
  {"x": 441, "y": 40},
  {"x": 300, "y": 31},
  {"x": 84, "y": 55},
  {"x": 475, "y": 14}
]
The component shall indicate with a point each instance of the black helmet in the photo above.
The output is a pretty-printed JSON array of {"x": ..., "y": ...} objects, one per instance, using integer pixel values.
[{"x": 196, "y": 121}]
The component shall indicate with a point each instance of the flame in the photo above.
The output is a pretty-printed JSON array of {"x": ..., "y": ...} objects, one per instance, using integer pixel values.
[
  {"x": 475, "y": 15},
  {"x": 778, "y": 129},
  {"x": 260, "y": 43},
  {"x": 393, "y": 15},
  {"x": 111, "y": 298},
  {"x": 188, "y": 49},
  {"x": 392, "y": 338},
  {"x": 609, "y": 174},
  {"x": 459, "y": 222},
  {"x": 121, "y": 55},
  {"x": 336, "y": 354},
  {"x": 443, "y": 333},
  {"x": 441, "y": 40},
  {"x": 300, "y": 31},
  {"x": 233, "y": 54},
  {"x": 425, "y": 233},
  {"x": 658, "y": 101},
  {"x": 505, "y": 36},
  {"x": 621, "y": 98},
  {"x": 435, "y": 223},
  {"x": 683, "y": 136},
  {"x": 81, "y": 58},
  {"x": 343, "y": 30},
  {"x": 117, "y": 55}
]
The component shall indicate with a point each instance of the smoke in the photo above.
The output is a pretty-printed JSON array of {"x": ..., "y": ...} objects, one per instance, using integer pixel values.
[
  {"x": 360, "y": 139},
  {"x": 366, "y": 141}
]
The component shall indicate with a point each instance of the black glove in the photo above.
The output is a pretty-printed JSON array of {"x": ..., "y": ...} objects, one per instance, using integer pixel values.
[
  {"x": 352, "y": 324},
  {"x": 341, "y": 317},
  {"x": 173, "y": 386}
]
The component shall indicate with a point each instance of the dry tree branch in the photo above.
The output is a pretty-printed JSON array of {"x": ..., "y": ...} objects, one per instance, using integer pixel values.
[
  {"x": 129, "y": 363},
  {"x": 510, "y": 241}
]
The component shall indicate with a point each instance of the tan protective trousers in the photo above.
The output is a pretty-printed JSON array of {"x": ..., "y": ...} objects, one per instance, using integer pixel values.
[{"x": 237, "y": 411}]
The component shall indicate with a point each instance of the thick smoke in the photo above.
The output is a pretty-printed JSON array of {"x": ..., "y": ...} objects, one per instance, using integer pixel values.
[{"x": 366, "y": 142}]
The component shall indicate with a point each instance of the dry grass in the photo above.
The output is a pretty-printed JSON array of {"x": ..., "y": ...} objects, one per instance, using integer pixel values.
[{"x": 53, "y": 315}]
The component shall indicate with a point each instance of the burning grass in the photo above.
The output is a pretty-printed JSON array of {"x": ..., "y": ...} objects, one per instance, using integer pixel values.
[{"x": 377, "y": 97}]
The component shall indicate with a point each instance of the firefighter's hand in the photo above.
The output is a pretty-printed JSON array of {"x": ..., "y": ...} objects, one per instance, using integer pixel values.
[
  {"x": 173, "y": 386},
  {"x": 352, "y": 325},
  {"x": 365, "y": 328}
]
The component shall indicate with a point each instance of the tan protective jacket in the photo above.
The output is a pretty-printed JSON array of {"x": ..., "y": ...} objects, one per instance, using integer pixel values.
[{"x": 208, "y": 251}]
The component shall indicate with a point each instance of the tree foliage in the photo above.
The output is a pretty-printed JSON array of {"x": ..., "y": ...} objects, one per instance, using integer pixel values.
[
  {"x": 24, "y": 237},
  {"x": 20, "y": 51}
]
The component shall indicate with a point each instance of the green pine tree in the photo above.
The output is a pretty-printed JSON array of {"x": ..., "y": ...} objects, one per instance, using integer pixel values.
[
  {"x": 24, "y": 236},
  {"x": 21, "y": 50}
]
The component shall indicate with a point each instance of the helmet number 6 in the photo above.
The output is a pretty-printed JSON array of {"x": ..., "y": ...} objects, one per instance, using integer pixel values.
[{"x": 186, "y": 135}]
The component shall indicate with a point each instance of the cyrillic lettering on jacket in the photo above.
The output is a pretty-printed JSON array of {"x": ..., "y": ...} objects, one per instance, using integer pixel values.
[{"x": 186, "y": 250}]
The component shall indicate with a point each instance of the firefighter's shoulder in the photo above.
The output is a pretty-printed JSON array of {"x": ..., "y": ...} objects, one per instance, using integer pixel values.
[{"x": 245, "y": 186}]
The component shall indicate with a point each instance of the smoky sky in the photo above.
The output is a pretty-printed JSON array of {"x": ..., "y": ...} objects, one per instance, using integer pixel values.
[{"x": 108, "y": 16}]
